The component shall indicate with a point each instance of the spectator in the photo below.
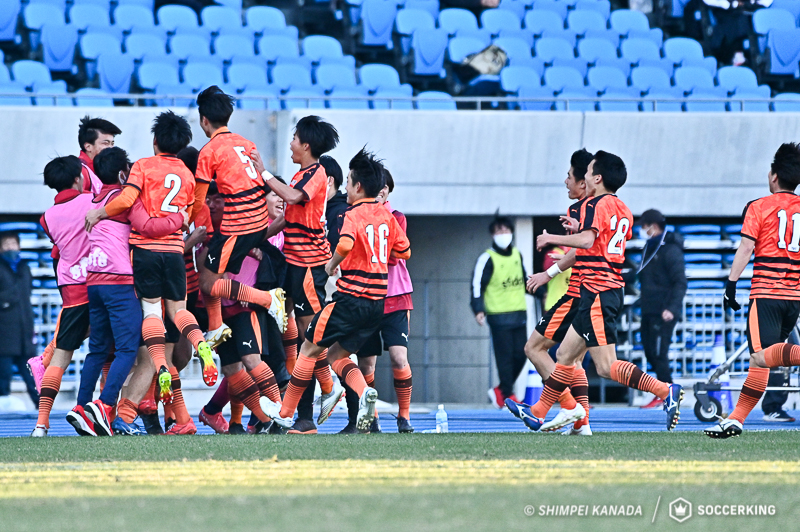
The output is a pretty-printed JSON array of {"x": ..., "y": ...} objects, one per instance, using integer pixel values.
[
  {"x": 498, "y": 297},
  {"x": 663, "y": 279},
  {"x": 16, "y": 317}
]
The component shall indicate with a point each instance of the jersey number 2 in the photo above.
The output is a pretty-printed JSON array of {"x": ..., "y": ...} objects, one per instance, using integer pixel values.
[
  {"x": 383, "y": 244},
  {"x": 172, "y": 181},
  {"x": 621, "y": 226},
  {"x": 794, "y": 245},
  {"x": 251, "y": 170}
]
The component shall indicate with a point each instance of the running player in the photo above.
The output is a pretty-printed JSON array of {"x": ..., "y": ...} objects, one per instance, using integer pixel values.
[
  {"x": 771, "y": 228},
  {"x": 605, "y": 228},
  {"x": 370, "y": 235}
]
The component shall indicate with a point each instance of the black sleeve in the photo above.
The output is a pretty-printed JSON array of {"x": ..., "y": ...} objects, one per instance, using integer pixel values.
[
  {"x": 676, "y": 273},
  {"x": 484, "y": 269}
]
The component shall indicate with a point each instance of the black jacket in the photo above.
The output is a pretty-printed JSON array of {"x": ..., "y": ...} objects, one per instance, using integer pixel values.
[
  {"x": 663, "y": 278},
  {"x": 16, "y": 311},
  {"x": 333, "y": 217}
]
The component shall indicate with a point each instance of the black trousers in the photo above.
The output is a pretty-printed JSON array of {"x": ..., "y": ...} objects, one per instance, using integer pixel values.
[
  {"x": 509, "y": 354},
  {"x": 7, "y": 371},
  {"x": 773, "y": 401},
  {"x": 656, "y": 337}
]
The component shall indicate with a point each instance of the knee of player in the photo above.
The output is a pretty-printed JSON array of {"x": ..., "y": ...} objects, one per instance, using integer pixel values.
[
  {"x": 603, "y": 368},
  {"x": 399, "y": 357},
  {"x": 231, "y": 369},
  {"x": 758, "y": 360}
]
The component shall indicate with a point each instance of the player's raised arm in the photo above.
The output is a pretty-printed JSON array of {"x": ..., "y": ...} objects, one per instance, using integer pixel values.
[{"x": 290, "y": 195}]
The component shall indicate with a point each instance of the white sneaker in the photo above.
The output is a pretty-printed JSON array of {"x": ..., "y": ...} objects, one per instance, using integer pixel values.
[
  {"x": 39, "y": 432},
  {"x": 583, "y": 431},
  {"x": 564, "y": 417},
  {"x": 724, "y": 429},
  {"x": 273, "y": 410},
  {"x": 217, "y": 336},
  {"x": 366, "y": 409},
  {"x": 328, "y": 402},
  {"x": 277, "y": 309}
]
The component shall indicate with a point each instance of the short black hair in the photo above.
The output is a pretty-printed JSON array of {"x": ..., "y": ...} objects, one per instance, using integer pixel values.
[
  {"x": 500, "y": 221},
  {"x": 388, "y": 180},
  {"x": 580, "y": 162},
  {"x": 612, "y": 169},
  {"x": 90, "y": 127},
  {"x": 213, "y": 189},
  {"x": 61, "y": 173},
  {"x": 652, "y": 216},
  {"x": 189, "y": 156},
  {"x": 172, "y": 132},
  {"x": 9, "y": 234},
  {"x": 332, "y": 169},
  {"x": 109, "y": 163},
  {"x": 215, "y": 105},
  {"x": 320, "y": 136},
  {"x": 367, "y": 170},
  {"x": 786, "y": 165},
  {"x": 268, "y": 188}
]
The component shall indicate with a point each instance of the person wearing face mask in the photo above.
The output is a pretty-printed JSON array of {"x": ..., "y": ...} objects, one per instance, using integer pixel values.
[
  {"x": 16, "y": 317},
  {"x": 663, "y": 279},
  {"x": 498, "y": 297}
]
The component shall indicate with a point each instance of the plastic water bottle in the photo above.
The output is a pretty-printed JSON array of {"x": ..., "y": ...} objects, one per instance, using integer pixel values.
[
  {"x": 533, "y": 390},
  {"x": 441, "y": 420}
]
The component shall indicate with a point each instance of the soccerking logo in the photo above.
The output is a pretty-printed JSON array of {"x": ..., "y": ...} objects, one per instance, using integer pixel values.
[{"x": 680, "y": 509}]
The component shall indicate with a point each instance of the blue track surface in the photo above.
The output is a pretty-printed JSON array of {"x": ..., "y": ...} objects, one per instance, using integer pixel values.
[{"x": 602, "y": 420}]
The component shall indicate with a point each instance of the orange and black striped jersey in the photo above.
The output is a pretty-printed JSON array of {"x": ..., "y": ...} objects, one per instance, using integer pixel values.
[
  {"x": 192, "y": 277},
  {"x": 226, "y": 160},
  {"x": 574, "y": 287},
  {"x": 600, "y": 267},
  {"x": 165, "y": 186},
  {"x": 305, "y": 243},
  {"x": 369, "y": 235},
  {"x": 773, "y": 223}
]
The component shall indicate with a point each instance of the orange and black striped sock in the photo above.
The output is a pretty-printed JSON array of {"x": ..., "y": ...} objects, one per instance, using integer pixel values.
[
  {"x": 168, "y": 413},
  {"x": 51, "y": 383},
  {"x": 290, "y": 338},
  {"x": 778, "y": 355},
  {"x": 126, "y": 410},
  {"x": 301, "y": 378},
  {"x": 554, "y": 386},
  {"x": 580, "y": 391},
  {"x": 47, "y": 356},
  {"x": 322, "y": 372},
  {"x": 243, "y": 388},
  {"x": 187, "y": 324},
  {"x": 349, "y": 373},
  {"x": 265, "y": 379},
  {"x": 214, "y": 310},
  {"x": 179, "y": 410},
  {"x": 155, "y": 340},
  {"x": 230, "y": 289},
  {"x": 567, "y": 400},
  {"x": 630, "y": 375},
  {"x": 236, "y": 411},
  {"x": 369, "y": 378},
  {"x": 752, "y": 390},
  {"x": 402, "y": 388}
]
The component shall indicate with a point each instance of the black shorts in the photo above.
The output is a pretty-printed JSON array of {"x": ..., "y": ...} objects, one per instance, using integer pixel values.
[
  {"x": 393, "y": 331},
  {"x": 556, "y": 321},
  {"x": 272, "y": 350},
  {"x": 226, "y": 252},
  {"x": 72, "y": 327},
  {"x": 245, "y": 338},
  {"x": 158, "y": 275},
  {"x": 348, "y": 320},
  {"x": 306, "y": 288},
  {"x": 770, "y": 321},
  {"x": 199, "y": 313},
  {"x": 596, "y": 319}
]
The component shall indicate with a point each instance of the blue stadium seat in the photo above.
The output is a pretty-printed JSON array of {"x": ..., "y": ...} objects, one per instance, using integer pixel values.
[
  {"x": 650, "y": 78},
  {"x": 623, "y": 65},
  {"x": 704, "y": 107},
  {"x": 523, "y": 35},
  {"x": 788, "y": 102},
  {"x": 429, "y": 48},
  {"x": 153, "y": 73},
  {"x": 495, "y": 20},
  {"x": 551, "y": 5},
  {"x": 271, "y": 47},
  {"x": 233, "y": 4},
  {"x": 512, "y": 78},
  {"x": 792, "y": 6},
  {"x": 408, "y": 21},
  {"x": 92, "y": 45},
  {"x": 704, "y": 232},
  {"x": 693, "y": 78},
  {"x": 609, "y": 35},
  {"x": 736, "y": 78},
  {"x": 173, "y": 89},
  {"x": 517, "y": 50},
  {"x": 317, "y": 47},
  {"x": 625, "y": 20},
  {"x": 377, "y": 23},
  {"x": 539, "y": 20},
  {"x": 268, "y": 99},
  {"x": 431, "y": 6},
  {"x": 29, "y": 72},
  {"x": 227, "y": 46},
  {"x": 518, "y": 7},
  {"x": 115, "y": 73},
  {"x": 679, "y": 49},
  {"x": 330, "y": 77},
  {"x": 9, "y": 13},
  {"x": 637, "y": 49},
  {"x": 58, "y": 47},
  {"x": 390, "y": 102},
  {"x": 663, "y": 102},
  {"x": 767, "y": 20},
  {"x": 604, "y": 78},
  {"x": 202, "y": 74},
  {"x": 536, "y": 92},
  {"x": 355, "y": 95},
  {"x": 570, "y": 100},
  {"x": 568, "y": 35},
  {"x": 742, "y": 101},
  {"x": 53, "y": 87},
  {"x": 784, "y": 51},
  {"x": 602, "y": 7},
  {"x": 172, "y": 17},
  {"x": 102, "y": 3},
  {"x": 454, "y": 19},
  {"x": 12, "y": 94},
  {"x": 548, "y": 49},
  {"x": 265, "y": 19},
  {"x": 613, "y": 100},
  {"x": 376, "y": 76},
  {"x": 561, "y": 78},
  {"x": 287, "y": 77},
  {"x": 81, "y": 16},
  {"x": 36, "y": 16},
  {"x": 579, "y": 64},
  {"x": 594, "y": 49},
  {"x": 303, "y": 98},
  {"x": 217, "y": 19},
  {"x": 460, "y": 47},
  {"x": 244, "y": 76},
  {"x": 88, "y": 97},
  {"x": 664, "y": 64},
  {"x": 182, "y": 46},
  {"x": 653, "y": 34},
  {"x": 149, "y": 4},
  {"x": 581, "y": 21},
  {"x": 435, "y": 101},
  {"x": 5, "y": 75},
  {"x": 677, "y": 8},
  {"x": 128, "y": 16},
  {"x": 139, "y": 44}
]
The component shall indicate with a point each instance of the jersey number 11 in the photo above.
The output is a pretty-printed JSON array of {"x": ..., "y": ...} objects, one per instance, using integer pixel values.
[{"x": 794, "y": 245}]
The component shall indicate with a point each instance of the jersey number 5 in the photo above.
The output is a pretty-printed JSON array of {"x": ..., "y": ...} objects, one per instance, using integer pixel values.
[
  {"x": 794, "y": 245},
  {"x": 383, "y": 244},
  {"x": 621, "y": 226},
  {"x": 251, "y": 170},
  {"x": 172, "y": 181}
]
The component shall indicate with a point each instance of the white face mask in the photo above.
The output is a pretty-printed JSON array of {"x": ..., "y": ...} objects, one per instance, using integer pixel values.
[
  {"x": 643, "y": 234},
  {"x": 503, "y": 240}
]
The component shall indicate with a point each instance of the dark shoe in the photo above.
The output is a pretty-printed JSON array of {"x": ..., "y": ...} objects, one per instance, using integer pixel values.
[
  {"x": 350, "y": 428},
  {"x": 236, "y": 428},
  {"x": 152, "y": 425},
  {"x": 404, "y": 425},
  {"x": 375, "y": 427},
  {"x": 778, "y": 417},
  {"x": 303, "y": 426},
  {"x": 274, "y": 428},
  {"x": 259, "y": 428},
  {"x": 168, "y": 423}
]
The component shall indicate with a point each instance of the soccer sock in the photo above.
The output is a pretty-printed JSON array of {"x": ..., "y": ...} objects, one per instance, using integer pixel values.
[
  {"x": 105, "y": 370},
  {"x": 229, "y": 289},
  {"x": 168, "y": 413},
  {"x": 567, "y": 400},
  {"x": 47, "y": 356},
  {"x": 51, "y": 383},
  {"x": 214, "y": 310},
  {"x": 237, "y": 407},
  {"x": 153, "y": 333},
  {"x": 182, "y": 416},
  {"x": 554, "y": 386},
  {"x": 290, "y": 345},
  {"x": 580, "y": 391},
  {"x": 243, "y": 387},
  {"x": 402, "y": 388},
  {"x": 219, "y": 399},
  {"x": 370, "y": 379},
  {"x": 126, "y": 410},
  {"x": 630, "y": 375},
  {"x": 187, "y": 324},
  {"x": 349, "y": 373},
  {"x": 782, "y": 355},
  {"x": 752, "y": 390},
  {"x": 265, "y": 379},
  {"x": 301, "y": 377},
  {"x": 322, "y": 371}
]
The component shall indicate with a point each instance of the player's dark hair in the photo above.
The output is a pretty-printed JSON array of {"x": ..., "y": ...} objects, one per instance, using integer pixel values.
[
  {"x": 388, "y": 180},
  {"x": 215, "y": 105},
  {"x": 268, "y": 188},
  {"x": 213, "y": 189},
  {"x": 320, "y": 136},
  {"x": 90, "y": 128},
  {"x": 500, "y": 221},
  {"x": 61, "y": 172},
  {"x": 580, "y": 162},
  {"x": 786, "y": 165},
  {"x": 332, "y": 169},
  {"x": 109, "y": 163},
  {"x": 172, "y": 132},
  {"x": 367, "y": 170},
  {"x": 189, "y": 156},
  {"x": 612, "y": 169}
]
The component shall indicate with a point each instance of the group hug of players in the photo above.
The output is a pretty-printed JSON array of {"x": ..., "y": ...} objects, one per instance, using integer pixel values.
[{"x": 151, "y": 254}]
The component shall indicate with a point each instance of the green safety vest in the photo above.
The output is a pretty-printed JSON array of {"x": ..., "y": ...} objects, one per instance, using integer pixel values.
[{"x": 506, "y": 289}]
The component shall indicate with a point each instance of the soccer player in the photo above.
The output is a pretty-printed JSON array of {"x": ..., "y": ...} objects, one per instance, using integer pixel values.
[
  {"x": 94, "y": 136},
  {"x": 166, "y": 186},
  {"x": 553, "y": 326},
  {"x": 605, "y": 227},
  {"x": 771, "y": 229},
  {"x": 370, "y": 235}
]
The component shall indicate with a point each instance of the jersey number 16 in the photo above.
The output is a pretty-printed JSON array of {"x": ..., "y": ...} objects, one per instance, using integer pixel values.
[{"x": 383, "y": 244}]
